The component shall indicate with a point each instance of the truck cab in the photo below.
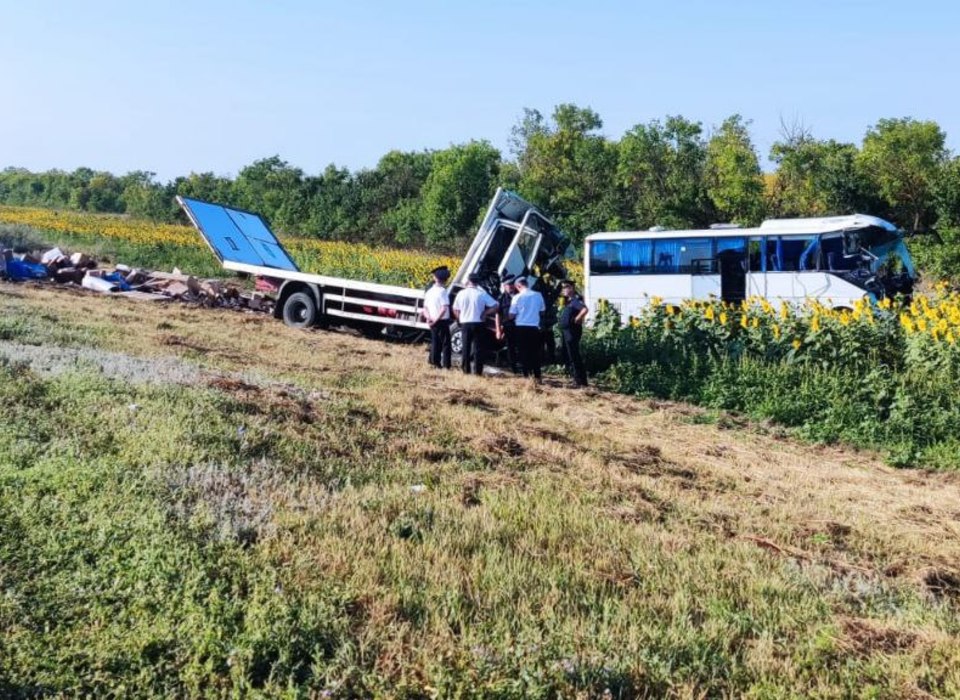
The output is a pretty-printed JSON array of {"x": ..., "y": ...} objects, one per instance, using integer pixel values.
[{"x": 514, "y": 238}]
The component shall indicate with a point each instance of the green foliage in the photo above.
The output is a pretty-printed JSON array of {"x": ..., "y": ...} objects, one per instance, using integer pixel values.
[
  {"x": 662, "y": 172},
  {"x": 461, "y": 181},
  {"x": 568, "y": 167},
  {"x": 734, "y": 179},
  {"x": 818, "y": 178},
  {"x": 904, "y": 158},
  {"x": 864, "y": 377},
  {"x": 658, "y": 173}
]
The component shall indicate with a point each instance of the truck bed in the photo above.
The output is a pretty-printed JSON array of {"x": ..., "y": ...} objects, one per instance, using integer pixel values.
[{"x": 244, "y": 243}]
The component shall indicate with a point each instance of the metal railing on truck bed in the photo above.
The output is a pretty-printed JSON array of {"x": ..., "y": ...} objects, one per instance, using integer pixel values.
[{"x": 244, "y": 243}]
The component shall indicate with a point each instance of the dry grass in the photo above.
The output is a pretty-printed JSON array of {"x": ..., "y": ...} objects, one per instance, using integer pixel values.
[
  {"x": 768, "y": 486},
  {"x": 589, "y": 476}
]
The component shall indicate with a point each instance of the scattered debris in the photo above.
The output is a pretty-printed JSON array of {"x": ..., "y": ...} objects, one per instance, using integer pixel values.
[{"x": 80, "y": 270}]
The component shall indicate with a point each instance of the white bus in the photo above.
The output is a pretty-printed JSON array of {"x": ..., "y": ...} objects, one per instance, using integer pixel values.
[{"x": 836, "y": 260}]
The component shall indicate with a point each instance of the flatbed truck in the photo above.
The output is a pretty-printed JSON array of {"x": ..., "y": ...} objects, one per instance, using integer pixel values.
[{"x": 514, "y": 238}]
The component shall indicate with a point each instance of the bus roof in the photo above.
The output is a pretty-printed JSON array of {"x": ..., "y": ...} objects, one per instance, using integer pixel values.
[{"x": 770, "y": 227}]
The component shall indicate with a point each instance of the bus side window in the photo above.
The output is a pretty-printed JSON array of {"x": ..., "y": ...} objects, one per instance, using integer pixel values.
[
  {"x": 832, "y": 254},
  {"x": 604, "y": 257},
  {"x": 774, "y": 255},
  {"x": 798, "y": 253}
]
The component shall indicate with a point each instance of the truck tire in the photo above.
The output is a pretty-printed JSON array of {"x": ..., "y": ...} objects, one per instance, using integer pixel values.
[
  {"x": 300, "y": 310},
  {"x": 456, "y": 339}
]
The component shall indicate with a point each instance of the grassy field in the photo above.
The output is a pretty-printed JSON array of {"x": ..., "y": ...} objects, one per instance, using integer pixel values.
[{"x": 207, "y": 503}]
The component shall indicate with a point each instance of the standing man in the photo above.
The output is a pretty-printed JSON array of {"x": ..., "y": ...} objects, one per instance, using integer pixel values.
[
  {"x": 436, "y": 312},
  {"x": 505, "y": 328},
  {"x": 472, "y": 307},
  {"x": 571, "y": 329},
  {"x": 526, "y": 310}
]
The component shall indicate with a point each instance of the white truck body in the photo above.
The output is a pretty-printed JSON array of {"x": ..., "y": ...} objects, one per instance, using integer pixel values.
[{"x": 514, "y": 237}]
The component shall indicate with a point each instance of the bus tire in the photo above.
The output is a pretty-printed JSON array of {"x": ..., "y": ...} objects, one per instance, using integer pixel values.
[{"x": 300, "y": 310}]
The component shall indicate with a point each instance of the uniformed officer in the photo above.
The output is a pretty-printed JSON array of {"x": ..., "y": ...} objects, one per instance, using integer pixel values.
[
  {"x": 505, "y": 327},
  {"x": 571, "y": 329},
  {"x": 436, "y": 312},
  {"x": 526, "y": 310},
  {"x": 472, "y": 307}
]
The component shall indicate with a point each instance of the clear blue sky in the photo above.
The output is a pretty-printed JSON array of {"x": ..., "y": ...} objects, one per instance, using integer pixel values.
[{"x": 178, "y": 87}]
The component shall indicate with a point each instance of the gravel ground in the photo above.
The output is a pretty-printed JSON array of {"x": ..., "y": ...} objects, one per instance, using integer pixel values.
[{"x": 50, "y": 360}]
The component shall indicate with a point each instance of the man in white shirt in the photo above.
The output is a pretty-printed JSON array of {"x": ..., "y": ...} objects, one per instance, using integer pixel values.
[
  {"x": 436, "y": 312},
  {"x": 526, "y": 310},
  {"x": 472, "y": 307}
]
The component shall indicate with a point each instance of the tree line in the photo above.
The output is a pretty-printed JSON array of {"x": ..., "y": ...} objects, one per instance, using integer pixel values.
[{"x": 672, "y": 172}]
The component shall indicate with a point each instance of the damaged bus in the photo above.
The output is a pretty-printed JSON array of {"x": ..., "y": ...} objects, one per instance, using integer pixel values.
[{"x": 835, "y": 260}]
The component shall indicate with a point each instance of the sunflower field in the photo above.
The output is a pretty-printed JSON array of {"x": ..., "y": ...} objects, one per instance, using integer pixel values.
[{"x": 884, "y": 376}]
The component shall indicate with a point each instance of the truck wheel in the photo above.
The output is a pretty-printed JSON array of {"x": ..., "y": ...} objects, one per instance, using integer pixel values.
[
  {"x": 300, "y": 310},
  {"x": 456, "y": 339}
]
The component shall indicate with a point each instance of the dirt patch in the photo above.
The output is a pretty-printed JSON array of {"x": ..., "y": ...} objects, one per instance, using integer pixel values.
[
  {"x": 233, "y": 386},
  {"x": 470, "y": 493},
  {"x": 941, "y": 583},
  {"x": 649, "y": 460},
  {"x": 503, "y": 446},
  {"x": 642, "y": 459},
  {"x": 837, "y": 532},
  {"x": 477, "y": 401},
  {"x": 423, "y": 451},
  {"x": 547, "y": 434},
  {"x": 181, "y": 342},
  {"x": 868, "y": 637}
]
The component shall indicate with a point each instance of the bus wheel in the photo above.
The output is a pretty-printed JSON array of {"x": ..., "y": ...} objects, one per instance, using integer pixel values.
[{"x": 300, "y": 310}]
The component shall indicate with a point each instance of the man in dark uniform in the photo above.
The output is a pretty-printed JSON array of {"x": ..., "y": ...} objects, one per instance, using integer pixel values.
[
  {"x": 505, "y": 327},
  {"x": 571, "y": 329}
]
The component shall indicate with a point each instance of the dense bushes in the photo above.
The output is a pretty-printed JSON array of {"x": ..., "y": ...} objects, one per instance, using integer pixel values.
[{"x": 884, "y": 376}]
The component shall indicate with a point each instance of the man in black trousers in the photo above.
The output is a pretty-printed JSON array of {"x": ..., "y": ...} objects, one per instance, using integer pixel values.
[
  {"x": 472, "y": 307},
  {"x": 526, "y": 311},
  {"x": 436, "y": 312},
  {"x": 571, "y": 329}
]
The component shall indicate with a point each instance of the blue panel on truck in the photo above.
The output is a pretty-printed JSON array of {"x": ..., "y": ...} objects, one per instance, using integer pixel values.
[{"x": 237, "y": 236}]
